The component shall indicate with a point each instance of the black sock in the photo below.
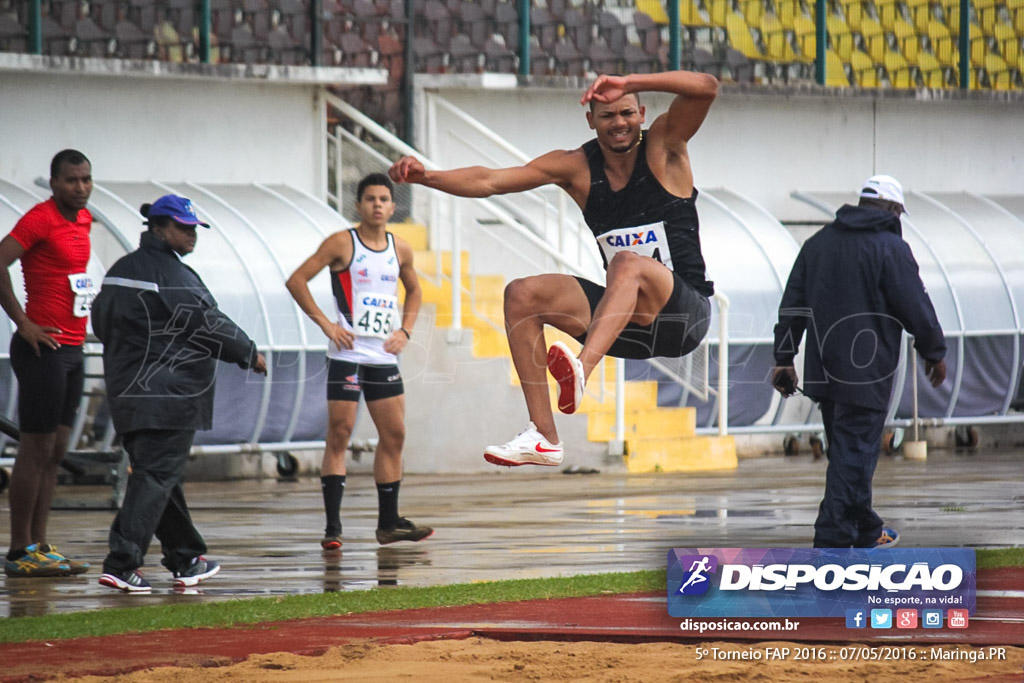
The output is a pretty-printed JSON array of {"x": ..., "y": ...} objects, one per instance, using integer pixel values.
[
  {"x": 333, "y": 487},
  {"x": 15, "y": 554},
  {"x": 387, "y": 505}
]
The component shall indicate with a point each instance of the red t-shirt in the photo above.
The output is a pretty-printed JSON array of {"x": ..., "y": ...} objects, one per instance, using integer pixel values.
[{"x": 55, "y": 249}]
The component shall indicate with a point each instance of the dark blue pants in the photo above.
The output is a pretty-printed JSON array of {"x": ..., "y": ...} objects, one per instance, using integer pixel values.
[
  {"x": 154, "y": 503},
  {"x": 845, "y": 517}
]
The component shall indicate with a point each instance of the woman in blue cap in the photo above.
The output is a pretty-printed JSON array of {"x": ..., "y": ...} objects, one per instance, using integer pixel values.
[{"x": 162, "y": 336}]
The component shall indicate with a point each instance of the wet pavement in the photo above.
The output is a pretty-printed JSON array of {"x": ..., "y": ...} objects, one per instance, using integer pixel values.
[{"x": 523, "y": 524}]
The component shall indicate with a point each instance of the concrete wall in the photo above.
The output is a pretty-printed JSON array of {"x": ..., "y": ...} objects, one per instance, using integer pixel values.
[
  {"x": 139, "y": 128},
  {"x": 767, "y": 145}
]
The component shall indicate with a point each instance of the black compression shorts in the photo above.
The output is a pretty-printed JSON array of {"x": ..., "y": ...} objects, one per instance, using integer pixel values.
[
  {"x": 49, "y": 385},
  {"x": 679, "y": 328},
  {"x": 346, "y": 380}
]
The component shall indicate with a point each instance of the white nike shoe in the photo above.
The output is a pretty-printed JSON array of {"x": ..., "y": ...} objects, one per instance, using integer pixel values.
[
  {"x": 567, "y": 370},
  {"x": 528, "y": 448}
]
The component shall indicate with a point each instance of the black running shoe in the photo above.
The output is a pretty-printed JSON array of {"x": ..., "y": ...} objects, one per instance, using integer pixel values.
[
  {"x": 200, "y": 570},
  {"x": 404, "y": 531}
]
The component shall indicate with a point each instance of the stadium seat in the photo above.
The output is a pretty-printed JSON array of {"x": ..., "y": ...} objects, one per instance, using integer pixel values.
[
  {"x": 577, "y": 28},
  {"x": 987, "y": 12},
  {"x": 690, "y": 14},
  {"x": 941, "y": 43},
  {"x": 474, "y": 23},
  {"x": 438, "y": 19},
  {"x": 506, "y": 22},
  {"x": 718, "y": 12},
  {"x": 568, "y": 59},
  {"x": 649, "y": 33},
  {"x": 920, "y": 14},
  {"x": 777, "y": 47},
  {"x": 788, "y": 11},
  {"x": 169, "y": 47},
  {"x": 932, "y": 73},
  {"x": 908, "y": 40},
  {"x": 742, "y": 68},
  {"x": 740, "y": 38},
  {"x": 752, "y": 11},
  {"x": 611, "y": 29},
  {"x": 463, "y": 57},
  {"x": 283, "y": 48},
  {"x": 865, "y": 72},
  {"x": 499, "y": 58},
  {"x": 654, "y": 9},
  {"x": 898, "y": 69},
  {"x": 853, "y": 11},
  {"x": 1009, "y": 43},
  {"x": 804, "y": 32},
  {"x": 544, "y": 25},
  {"x": 13, "y": 36},
  {"x": 999, "y": 76},
  {"x": 541, "y": 63},
  {"x": 603, "y": 59},
  {"x": 835, "y": 72},
  {"x": 887, "y": 14},
  {"x": 874, "y": 39},
  {"x": 636, "y": 60},
  {"x": 839, "y": 35},
  {"x": 245, "y": 49},
  {"x": 430, "y": 57}
]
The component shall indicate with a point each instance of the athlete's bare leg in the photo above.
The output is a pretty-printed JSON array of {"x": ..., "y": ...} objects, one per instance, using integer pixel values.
[
  {"x": 341, "y": 419},
  {"x": 33, "y": 472},
  {"x": 531, "y": 303},
  {"x": 388, "y": 416},
  {"x": 637, "y": 289}
]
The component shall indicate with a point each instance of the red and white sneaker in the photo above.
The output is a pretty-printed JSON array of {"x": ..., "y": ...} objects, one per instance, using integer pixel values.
[
  {"x": 528, "y": 448},
  {"x": 567, "y": 370}
]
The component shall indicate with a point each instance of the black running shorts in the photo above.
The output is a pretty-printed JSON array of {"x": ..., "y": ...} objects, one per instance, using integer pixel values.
[
  {"x": 679, "y": 328},
  {"x": 49, "y": 385},
  {"x": 346, "y": 380}
]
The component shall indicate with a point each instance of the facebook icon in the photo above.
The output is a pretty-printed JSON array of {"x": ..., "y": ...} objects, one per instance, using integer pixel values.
[{"x": 856, "y": 618}]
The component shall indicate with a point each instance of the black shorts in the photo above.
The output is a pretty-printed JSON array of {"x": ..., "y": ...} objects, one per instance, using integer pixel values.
[
  {"x": 679, "y": 328},
  {"x": 49, "y": 385},
  {"x": 346, "y": 380}
]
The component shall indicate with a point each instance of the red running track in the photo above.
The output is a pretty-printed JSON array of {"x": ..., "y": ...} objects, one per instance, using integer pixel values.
[{"x": 999, "y": 620}]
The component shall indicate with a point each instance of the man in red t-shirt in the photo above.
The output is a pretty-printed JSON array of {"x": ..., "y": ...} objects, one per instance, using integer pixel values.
[{"x": 52, "y": 242}]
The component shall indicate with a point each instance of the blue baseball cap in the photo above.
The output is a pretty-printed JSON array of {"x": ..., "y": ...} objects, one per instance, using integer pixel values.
[{"x": 178, "y": 208}]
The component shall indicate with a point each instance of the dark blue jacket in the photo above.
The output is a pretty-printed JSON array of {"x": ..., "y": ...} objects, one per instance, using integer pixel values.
[{"x": 854, "y": 287}]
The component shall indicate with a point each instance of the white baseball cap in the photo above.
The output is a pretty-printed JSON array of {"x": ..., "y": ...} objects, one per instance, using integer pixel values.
[{"x": 883, "y": 187}]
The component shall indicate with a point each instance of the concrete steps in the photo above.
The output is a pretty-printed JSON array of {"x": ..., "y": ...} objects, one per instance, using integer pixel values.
[{"x": 656, "y": 439}]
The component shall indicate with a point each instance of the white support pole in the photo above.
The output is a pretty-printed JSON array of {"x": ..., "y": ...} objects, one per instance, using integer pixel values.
[
  {"x": 618, "y": 446},
  {"x": 455, "y": 331},
  {"x": 723, "y": 364}
]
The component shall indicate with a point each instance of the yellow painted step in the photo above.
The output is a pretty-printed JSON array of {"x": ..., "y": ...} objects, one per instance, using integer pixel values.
[
  {"x": 426, "y": 262},
  {"x": 661, "y": 423},
  {"x": 639, "y": 396},
  {"x": 413, "y": 233},
  {"x": 695, "y": 454}
]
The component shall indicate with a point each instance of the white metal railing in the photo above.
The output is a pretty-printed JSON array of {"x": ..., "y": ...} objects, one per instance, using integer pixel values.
[{"x": 518, "y": 228}]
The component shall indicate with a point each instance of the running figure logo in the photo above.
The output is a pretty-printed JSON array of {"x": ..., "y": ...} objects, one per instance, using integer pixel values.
[{"x": 697, "y": 580}]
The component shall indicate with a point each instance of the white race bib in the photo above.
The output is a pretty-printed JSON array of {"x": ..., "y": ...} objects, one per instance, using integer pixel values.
[
  {"x": 646, "y": 240},
  {"x": 85, "y": 291},
  {"x": 374, "y": 315}
]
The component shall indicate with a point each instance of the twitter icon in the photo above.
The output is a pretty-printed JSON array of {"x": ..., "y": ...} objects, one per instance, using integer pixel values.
[{"x": 881, "y": 618}]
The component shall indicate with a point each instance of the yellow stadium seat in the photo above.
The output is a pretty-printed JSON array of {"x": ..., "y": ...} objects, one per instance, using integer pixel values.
[
  {"x": 932, "y": 73},
  {"x": 806, "y": 40},
  {"x": 942, "y": 43},
  {"x": 740, "y": 37},
  {"x": 999, "y": 76},
  {"x": 752, "y": 11},
  {"x": 920, "y": 13},
  {"x": 865, "y": 73},
  {"x": 887, "y": 13},
  {"x": 655, "y": 9},
  {"x": 854, "y": 11},
  {"x": 899, "y": 71},
  {"x": 908, "y": 40},
  {"x": 719, "y": 11},
  {"x": 835, "y": 73},
  {"x": 788, "y": 11},
  {"x": 776, "y": 41},
  {"x": 1008, "y": 42},
  {"x": 840, "y": 36},
  {"x": 987, "y": 12},
  {"x": 874, "y": 39},
  {"x": 690, "y": 15}
]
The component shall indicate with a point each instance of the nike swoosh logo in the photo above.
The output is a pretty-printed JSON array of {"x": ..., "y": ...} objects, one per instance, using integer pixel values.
[{"x": 541, "y": 449}]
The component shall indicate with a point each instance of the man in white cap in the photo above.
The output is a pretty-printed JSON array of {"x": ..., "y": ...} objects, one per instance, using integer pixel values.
[{"x": 854, "y": 288}]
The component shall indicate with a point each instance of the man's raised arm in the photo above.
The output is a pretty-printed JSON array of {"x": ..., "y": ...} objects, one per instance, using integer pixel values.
[{"x": 478, "y": 181}]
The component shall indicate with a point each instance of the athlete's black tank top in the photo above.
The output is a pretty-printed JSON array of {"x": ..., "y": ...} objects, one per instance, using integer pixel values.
[{"x": 645, "y": 218}]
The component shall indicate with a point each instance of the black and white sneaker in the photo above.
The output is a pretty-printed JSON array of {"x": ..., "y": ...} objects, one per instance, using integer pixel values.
[
  {"x": 200, "y": 570},
  {"x": 129, "y": 582}
]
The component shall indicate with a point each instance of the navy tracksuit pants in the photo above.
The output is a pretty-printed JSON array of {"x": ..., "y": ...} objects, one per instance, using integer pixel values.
[{"x": 845, "y": 517}]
